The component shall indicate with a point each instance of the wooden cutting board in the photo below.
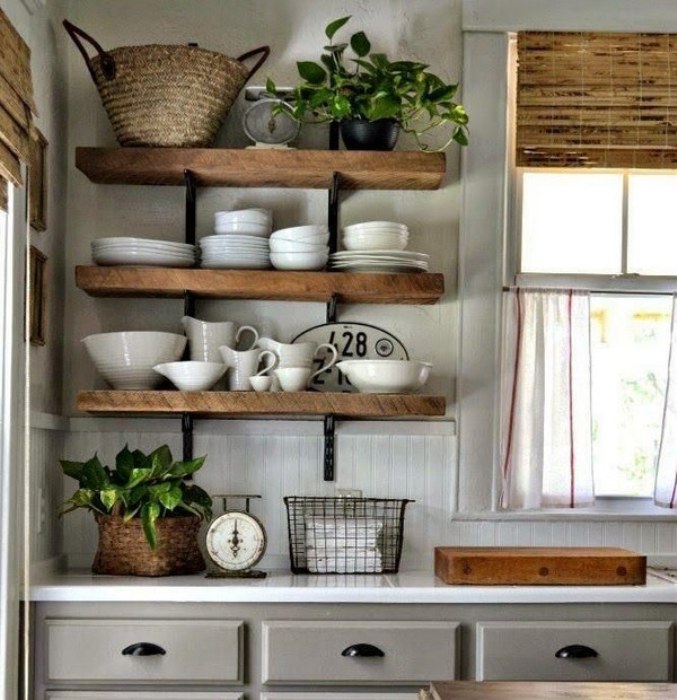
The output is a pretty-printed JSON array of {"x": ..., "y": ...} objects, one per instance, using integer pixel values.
[
  {"x": 520, "y": 690},
  {"x": 540, "y": 566}
]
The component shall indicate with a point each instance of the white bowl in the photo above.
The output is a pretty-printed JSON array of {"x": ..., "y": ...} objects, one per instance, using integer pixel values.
[
  {"x": 302, "y": 233},
  {"x": 313, "y": 238},
  {"x": 259, "y": 216},
  {"x": 126, "y": 359},
  {"x": 192, "y": 375},
  {"x": 370, "y": 225},
  {"x": 386, "y": 376},
  {"x": 248, "y": 228},
  {"x": 374, "y": 242},
  {"x": 283, "y": 245},
  {"x": 299, "y": 261}
]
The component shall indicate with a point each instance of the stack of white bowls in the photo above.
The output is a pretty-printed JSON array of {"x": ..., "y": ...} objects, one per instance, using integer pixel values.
[
  {"x": 126, "y": 250},
  {"x": 240, "y": 240},
  {"x": 376, "y": 235},
  {"x": 300, "y": 248}
]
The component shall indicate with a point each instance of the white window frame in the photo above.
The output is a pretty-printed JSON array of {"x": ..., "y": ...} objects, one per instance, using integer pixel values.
[{"x": 485, "y": 179}]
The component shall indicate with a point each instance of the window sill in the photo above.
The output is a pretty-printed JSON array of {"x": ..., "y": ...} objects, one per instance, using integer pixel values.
[{"x": 612, "y": 509}]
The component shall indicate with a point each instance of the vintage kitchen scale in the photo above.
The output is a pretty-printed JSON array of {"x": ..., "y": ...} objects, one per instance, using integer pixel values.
[
  {"x": 264, "y": 124},
  {"x": 236, "y": 541}
]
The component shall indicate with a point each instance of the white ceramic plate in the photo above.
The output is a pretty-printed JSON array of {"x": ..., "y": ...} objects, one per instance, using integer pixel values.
[
  {"x": 142, "y": 258},
  {"x": 386, "y": 254}
]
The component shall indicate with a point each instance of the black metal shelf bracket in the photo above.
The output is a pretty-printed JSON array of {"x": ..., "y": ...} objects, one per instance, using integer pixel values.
[
  {"x": 189, "y": 299},
  {"x": 329, "y": 454},
  {"x": 333, "y": 211},
  {"x": 331, "y": 308}
]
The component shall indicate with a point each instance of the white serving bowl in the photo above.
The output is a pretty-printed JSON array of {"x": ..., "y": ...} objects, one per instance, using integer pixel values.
[
  {"x": 248, "y": 228},
  {"x": 386, "y": 376},
  {"x": 192, "y": 375},
  {"x": 313, "y": 238},
  {"x": 126, "y": 359},
  {"x": 299, "y": 261},
  {"x": 284, "y": 245}
]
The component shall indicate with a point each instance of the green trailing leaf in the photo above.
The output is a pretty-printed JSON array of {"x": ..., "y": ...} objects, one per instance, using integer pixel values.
[
  {"x": 141, "y": 461},
  {"x": 124, "y": 463},
  {"x": 312, "y": 72},
  {"x": 93, "y": 475},
  {"x": 172, "y": 498},
  {"x": 182, "y": 469},
  {"x": 162, "y": 455},
  {"x": 138, "y": 476},
  {"x": 72, "y": 469},
  {"x": 360, "y": 44},
  {"x": 334, "y": 26},
  {"x": 129, "y": 514},
  {"x": 109, "y": 497},
  {"x": 150, "y": 512}
]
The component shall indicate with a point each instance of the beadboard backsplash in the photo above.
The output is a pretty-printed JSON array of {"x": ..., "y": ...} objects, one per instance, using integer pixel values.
[{"x": 394, "y": 459}]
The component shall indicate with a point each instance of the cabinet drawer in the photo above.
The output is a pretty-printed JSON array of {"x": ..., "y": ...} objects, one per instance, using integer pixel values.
[
  {"x": 412, "y": 652},
  {"x": 625, "y": 651},
  {"x": 196, "y": 651},
  {"x": 140, "y": 695}
]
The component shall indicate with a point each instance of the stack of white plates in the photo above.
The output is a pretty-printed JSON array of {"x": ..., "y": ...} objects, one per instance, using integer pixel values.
[
  {"x": 376, "y": 235},
  {"x": 247, "y": 222},
  {"x": 235, "y": 252},
  {"x": 142, "y": 251},
  {"x": 380, "y": 261}
]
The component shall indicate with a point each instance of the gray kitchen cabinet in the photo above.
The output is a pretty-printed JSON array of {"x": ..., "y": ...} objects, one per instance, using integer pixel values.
[
  {"x": 293, "y": 651},
  {"x": 575, "y": 651}
]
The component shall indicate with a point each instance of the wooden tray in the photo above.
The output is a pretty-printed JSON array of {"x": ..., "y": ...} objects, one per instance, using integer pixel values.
[{"x": 540, "y": 566}]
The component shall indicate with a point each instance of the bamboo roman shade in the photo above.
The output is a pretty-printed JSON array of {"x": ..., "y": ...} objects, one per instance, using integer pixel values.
[
  {"x": 596, "y": 100},
  {"x": 16, "y": 102}
]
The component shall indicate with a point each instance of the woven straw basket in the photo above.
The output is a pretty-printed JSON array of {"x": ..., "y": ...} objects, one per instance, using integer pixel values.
[
  {"x": 124, "y": 551},
  {"x": 159, "y": 95}
]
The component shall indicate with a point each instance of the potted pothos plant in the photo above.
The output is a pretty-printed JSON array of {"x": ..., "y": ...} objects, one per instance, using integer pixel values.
[
  {"x": 147, "y": 511},
  {"x": 370, "y": 95}
]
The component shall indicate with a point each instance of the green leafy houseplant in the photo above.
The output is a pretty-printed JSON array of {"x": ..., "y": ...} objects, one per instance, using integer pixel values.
[
  {"x": 142, "y": 486},
  {"x": 371, "y": 87}
]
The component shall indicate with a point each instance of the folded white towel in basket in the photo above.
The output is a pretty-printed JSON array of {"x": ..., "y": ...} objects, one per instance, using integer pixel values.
[{"x": 345, "y": 565}]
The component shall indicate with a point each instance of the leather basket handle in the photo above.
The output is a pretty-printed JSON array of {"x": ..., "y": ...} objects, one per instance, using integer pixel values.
[
  {"x": 263, "y": 50},
  {"x": 107, "y": 61}
]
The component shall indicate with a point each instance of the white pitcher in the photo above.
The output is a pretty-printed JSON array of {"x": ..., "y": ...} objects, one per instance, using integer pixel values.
[
  {"x": 205, "y": 337},
  {"x": 243, "y": 364}
]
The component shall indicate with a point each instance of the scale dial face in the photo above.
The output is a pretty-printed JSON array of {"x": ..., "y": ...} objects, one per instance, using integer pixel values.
[
  {"x": 262, "y": 126},
  {"x": 236, "y": 541}
]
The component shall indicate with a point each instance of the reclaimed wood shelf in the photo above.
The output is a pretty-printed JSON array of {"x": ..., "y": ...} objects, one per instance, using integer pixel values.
[
  {"x": 231, "y": 404},
  {"x": 275, "y": 285},
  {"x": 221, "y": 167}
]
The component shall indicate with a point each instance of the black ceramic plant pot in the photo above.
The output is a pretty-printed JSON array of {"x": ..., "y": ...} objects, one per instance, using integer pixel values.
[{"x": 361, "y": 135}]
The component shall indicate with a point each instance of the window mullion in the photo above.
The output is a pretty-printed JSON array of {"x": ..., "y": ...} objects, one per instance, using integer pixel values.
[{"x": 624, "y": 231}]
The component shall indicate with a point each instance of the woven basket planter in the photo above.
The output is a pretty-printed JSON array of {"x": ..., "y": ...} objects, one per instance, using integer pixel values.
[
  {"x": 166, "y": 95},
  {"x": 124, "y": 551}
]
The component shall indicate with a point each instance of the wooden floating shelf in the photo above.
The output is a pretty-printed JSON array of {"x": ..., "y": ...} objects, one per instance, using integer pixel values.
[
  {"x": 231, "y": 404},
  {"x": 350, "y": 288},
  {"x": 219, "y": 167}
]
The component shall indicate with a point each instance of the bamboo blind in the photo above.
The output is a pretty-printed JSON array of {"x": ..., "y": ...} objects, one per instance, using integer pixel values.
[
  {"x": 16, "y": 101},
  {"x": 596, "y": 100},
  {"x": 3, "y": 195}
]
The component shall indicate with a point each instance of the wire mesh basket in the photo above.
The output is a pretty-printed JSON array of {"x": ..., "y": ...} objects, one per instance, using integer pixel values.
[{"x": 345, "y": 535}]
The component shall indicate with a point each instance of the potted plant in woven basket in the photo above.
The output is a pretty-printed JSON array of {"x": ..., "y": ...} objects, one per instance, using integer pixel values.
[
  {"x": 372, "y": 98},
  {"x": 147, "y": 512}
]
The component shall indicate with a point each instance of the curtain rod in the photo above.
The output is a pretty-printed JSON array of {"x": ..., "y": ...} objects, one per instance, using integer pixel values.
[{"x": 627, "y": 292}]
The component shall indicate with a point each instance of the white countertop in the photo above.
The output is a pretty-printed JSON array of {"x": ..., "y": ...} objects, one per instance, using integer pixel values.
[{"x": 284, "y": 587}]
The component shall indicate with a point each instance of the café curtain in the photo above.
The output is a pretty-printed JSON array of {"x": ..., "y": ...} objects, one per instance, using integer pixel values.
[
  {"x": 17, "y": 105},
  {"x": 665, "y": 492},
  {"x": 591, "y": 99},
  {"x": 546, "y": 440}
]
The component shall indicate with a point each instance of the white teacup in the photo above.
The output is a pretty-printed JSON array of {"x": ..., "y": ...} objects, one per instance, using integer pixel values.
[
  {"x": 260, "y": 382},
  {"x": 205, "y": 337},
  {"x": 244, "y": 364},
  {"x": 298, "y": 378}
]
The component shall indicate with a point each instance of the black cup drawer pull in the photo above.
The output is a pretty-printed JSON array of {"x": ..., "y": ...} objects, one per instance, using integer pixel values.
[
  {"x": 362, "y": 650},
  {"x": 576, "y": 651},
  {"x": 143, "y": 649}
]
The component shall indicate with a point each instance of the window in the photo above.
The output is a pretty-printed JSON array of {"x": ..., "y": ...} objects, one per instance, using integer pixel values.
[{"x": 581, "y": 228}]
